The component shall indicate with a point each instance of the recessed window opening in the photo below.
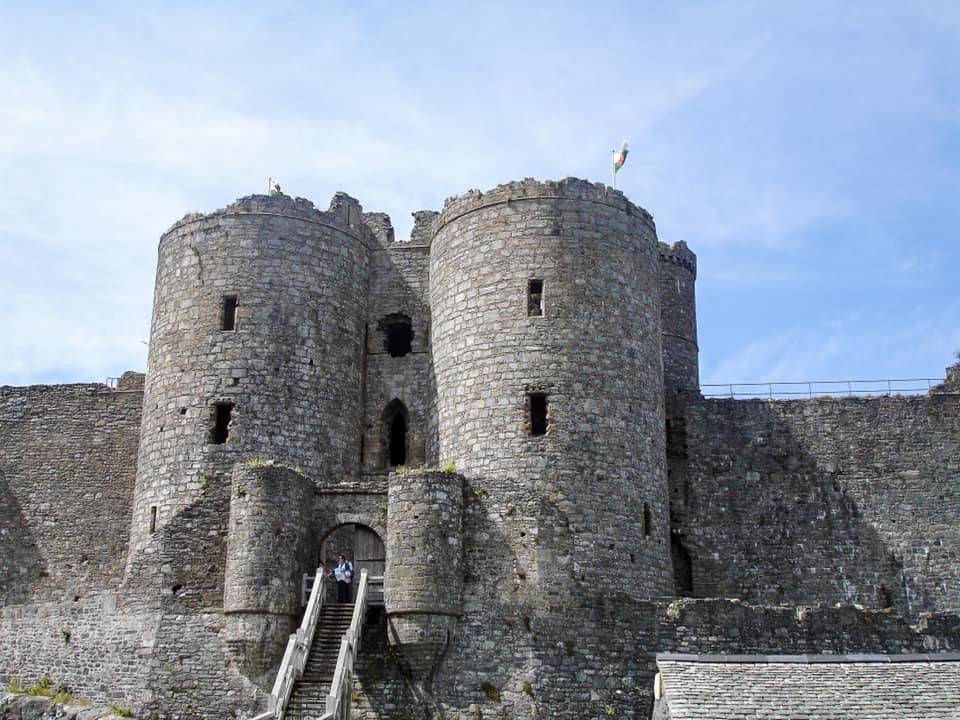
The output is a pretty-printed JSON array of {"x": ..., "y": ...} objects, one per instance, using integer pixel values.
[
  {"x": 222, "y": 416},
  {"x": 682, "y": 568},
  {"x": 229, "y": 319},
  {"x": 153, "y": 519},
  {"x": 395, "y": 421},
  {"x": 398, "y": 441},
  {"x": 646, "y": 520},
  {"x": 535, "y": 298},
  {"x": 538, "y": 413},
  {"x": 398, "y": 335}
]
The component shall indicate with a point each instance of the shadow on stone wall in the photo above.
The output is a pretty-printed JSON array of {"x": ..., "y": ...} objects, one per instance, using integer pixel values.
[
  {"x": 784, "y": 501},
  {"x": 190, "y": 667},
  {"x": 21, "y": 565}
]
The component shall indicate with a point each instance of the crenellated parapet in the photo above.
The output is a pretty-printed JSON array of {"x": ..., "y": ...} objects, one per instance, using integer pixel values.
[
  {"x": 679, "y": 254},
  {"x": 423, "y": 223},
  {"x": 569, "y": 189},
  {"x": 344, "y": 213}
]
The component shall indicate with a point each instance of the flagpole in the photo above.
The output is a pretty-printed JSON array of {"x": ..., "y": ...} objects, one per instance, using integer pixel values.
[{"x": 613, "y": 167}]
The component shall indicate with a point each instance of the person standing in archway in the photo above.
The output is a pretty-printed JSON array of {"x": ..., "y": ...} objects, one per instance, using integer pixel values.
[{"x": 343, "y": 573}]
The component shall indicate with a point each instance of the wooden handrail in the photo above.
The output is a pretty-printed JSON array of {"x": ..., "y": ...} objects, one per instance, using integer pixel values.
[
  {"x": 298, "y": 648},
  {"x": 295, "y": 656},
  {"x": 341, "y": 687}
]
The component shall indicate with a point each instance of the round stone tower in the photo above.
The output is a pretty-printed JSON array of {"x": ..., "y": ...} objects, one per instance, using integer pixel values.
[
  {"x": 268, "y": 551},
  {"x": 255, "y": 349},
  {"x": 423, "y": 581},
  {"x": 681, "y": 358},
  {"x": 545, "y": 300}
]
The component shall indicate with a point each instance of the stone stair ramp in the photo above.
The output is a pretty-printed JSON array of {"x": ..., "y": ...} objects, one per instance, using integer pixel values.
[{"x": 309, "y": 698}]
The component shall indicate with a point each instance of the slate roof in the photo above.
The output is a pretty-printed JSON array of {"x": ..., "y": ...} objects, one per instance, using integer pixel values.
[{"x": 808, "y": 687}]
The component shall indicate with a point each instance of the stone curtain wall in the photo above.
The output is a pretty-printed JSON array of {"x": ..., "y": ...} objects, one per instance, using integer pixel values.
[
  {"x": 67, "y": 462},
  {"x": 595, "y": 657},
  {"x": 731, "y": 627},
  {"x": 828, "y": 500},
  {"x": 99, "y": 646},
  {"x": 594, "y": 352}
]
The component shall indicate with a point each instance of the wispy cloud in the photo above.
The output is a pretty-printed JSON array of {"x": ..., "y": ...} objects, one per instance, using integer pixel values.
[
  {"x": 860, "y": 345},
  {"x": 793, "y": 146}
]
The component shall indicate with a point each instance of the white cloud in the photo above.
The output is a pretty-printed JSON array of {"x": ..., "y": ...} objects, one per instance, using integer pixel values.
[{"x": 758, "y": 134}]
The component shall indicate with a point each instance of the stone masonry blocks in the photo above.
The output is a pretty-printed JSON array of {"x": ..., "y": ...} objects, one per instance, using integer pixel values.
[{"x": 593, "y": 351}]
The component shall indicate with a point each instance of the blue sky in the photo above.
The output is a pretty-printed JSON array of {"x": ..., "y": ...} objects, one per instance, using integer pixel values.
[{"x": 808, "y": 152}]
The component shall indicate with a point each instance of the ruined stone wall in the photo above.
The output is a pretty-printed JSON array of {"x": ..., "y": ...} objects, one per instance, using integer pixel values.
[
  {"x": 97, "y": 646},
  {"x": 588, "y": 494},
  {"x": 290, "y": 366},
  {"x": 595, "y": 657},
  {"x": 67, "y": 463},
  {"x": 398, "y": 292},
  {"x": 720, "y": 626},
  {"x": 826, "y": 500}
]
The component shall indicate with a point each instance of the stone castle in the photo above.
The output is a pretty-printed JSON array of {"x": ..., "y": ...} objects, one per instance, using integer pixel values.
[{"x": 574, "y": 506}]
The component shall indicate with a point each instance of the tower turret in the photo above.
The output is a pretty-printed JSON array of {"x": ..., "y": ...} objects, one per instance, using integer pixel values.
[
  {"x": 547, "y": 351},
  {"x": 255, "y": 349},
  {"x": 678, "y": 277}
]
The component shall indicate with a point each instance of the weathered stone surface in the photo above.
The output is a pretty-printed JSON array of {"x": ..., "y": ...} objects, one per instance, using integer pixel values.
[{"x": 539, "y": 579}]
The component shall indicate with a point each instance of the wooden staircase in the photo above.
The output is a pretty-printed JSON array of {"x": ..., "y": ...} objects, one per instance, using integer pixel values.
[{"x": 309, "y": 698}]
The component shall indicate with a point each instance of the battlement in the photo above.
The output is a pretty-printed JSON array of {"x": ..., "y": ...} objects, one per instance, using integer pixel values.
[
  {"x": 423, "y": 227},
  {"x": 381, "y": 226},
  {"x": 570, "y": 188},
  {"x": 344, "y": 213},
  {"x": 679, "y": 254}
]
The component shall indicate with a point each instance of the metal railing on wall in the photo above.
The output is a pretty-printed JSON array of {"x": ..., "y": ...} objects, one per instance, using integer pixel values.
[{"x": 819, "y": 388}]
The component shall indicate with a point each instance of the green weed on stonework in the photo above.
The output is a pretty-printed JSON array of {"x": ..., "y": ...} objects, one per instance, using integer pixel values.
[
  {"x": 491, "y": 691},
  {"x": 43, "y": 687}
]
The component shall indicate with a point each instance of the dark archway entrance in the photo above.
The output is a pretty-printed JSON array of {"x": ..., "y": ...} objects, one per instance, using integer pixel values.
[{"x": 365, "y": 550}]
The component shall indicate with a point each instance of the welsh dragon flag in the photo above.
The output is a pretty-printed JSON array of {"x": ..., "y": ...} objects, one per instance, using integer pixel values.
[{"x": 620, "y": 157}]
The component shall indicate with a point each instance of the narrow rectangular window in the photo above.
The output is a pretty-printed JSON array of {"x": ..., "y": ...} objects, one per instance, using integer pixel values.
[
  {"x": 222, "y": 415},
  {"x": 230, "y": 305},
  {"x": 538, "y": 413},
  {"x": 534, "y": 298},
  {"x": 646, "y": 520},
  {"x": 153, "y": 519}
]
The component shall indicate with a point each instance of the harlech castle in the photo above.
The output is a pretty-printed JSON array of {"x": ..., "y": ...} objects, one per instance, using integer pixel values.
[{"x": 500, "y": 422}]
